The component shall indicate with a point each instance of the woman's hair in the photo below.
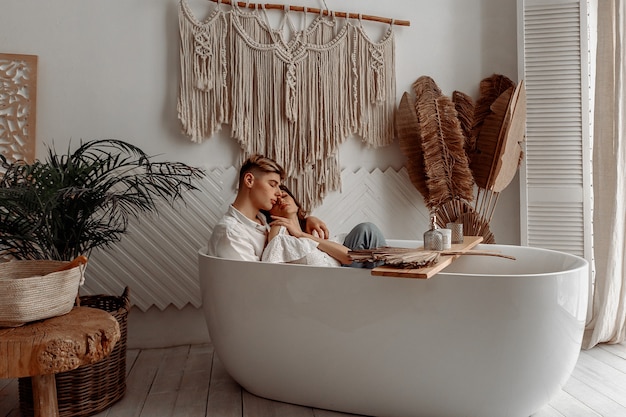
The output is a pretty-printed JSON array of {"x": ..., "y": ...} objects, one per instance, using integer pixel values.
[
  {"x": 259, "y": 163},
  {"x": 301, "y": 212}
]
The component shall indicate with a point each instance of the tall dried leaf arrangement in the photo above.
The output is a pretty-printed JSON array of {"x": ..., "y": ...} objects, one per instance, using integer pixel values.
[
  {"x": 453, "y": 144},
  {"x": 431, "y": 136},
  {"x": 499, "y": 132}
]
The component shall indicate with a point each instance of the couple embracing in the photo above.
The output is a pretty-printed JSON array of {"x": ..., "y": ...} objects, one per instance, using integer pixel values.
[{"x": 265, "y": 222}]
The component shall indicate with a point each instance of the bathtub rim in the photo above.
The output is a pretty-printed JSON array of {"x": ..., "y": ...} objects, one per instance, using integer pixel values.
[{"x": 578, "y": 262}]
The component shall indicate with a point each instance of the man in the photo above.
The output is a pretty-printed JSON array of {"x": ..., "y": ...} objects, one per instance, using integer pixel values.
[{"x": 242, "y": 231}]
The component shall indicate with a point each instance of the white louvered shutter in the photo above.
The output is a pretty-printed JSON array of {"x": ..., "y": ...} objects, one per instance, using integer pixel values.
[{"x": 556, "y": 190}]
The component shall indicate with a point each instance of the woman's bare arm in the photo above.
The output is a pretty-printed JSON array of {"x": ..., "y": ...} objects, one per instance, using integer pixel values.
[{"x": 334, "y": 249}]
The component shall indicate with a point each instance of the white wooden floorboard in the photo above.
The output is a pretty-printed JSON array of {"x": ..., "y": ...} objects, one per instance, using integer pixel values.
[
  {"x": 616, "y": 349},
  {"x": 589, "y": 395},
  {"x": 569, "y": 406},
  {"x": 192, "y": 396},
  {"x": 190, "y": 381},
  {"x": 225, "y": 395},
  {"x": 162, "y": 396},
  {"x": 138, "y": 384},
  {"x": 602, "y": 377},
  {"x": 547, "y": 411}
]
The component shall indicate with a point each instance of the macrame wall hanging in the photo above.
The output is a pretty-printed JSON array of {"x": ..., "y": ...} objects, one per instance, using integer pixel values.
[{"x": 291, "y": 93}]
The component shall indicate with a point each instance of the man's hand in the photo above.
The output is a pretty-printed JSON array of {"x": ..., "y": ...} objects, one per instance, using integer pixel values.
[{"x": 316, "y": 226}]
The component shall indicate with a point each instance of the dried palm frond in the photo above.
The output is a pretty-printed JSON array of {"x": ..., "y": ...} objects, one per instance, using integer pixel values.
[
  {"x": 446, "y": 165},
  {"x": 464, "y": 106},
  {"x": 433, "y": 145},
  {"x": 410, "y": 140},
  {"x": 512, "y": 153},
  {"x": 490, "y": 89},
  {"x": 461, "y": 177},
  {"x": 490, "y": 142}
]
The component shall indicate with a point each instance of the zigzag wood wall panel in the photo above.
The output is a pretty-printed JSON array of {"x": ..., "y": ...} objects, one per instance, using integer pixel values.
[{"x": 157, "y": 258}]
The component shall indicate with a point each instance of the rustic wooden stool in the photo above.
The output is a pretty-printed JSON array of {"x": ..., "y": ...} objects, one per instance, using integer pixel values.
[{"x": 41, "y": 349}]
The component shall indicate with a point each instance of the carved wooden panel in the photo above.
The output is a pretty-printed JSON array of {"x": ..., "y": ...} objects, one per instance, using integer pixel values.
[{"x": 18, "y": 106}]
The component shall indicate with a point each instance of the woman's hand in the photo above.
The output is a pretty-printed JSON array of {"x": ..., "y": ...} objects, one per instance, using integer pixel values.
[
  {"x": 292, "y": 225},
  {"x": 316, "y": 226}
]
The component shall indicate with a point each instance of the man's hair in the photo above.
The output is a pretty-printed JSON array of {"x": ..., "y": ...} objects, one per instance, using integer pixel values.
[{"x": 260, "y": 164}]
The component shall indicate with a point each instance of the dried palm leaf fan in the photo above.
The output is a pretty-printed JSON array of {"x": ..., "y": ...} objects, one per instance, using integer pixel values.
[
  {"x": 497, "y": 152},
  {"x": 464, "y": 106},
  {"x": 490, "y": 89},
  {"x": 448, "y": 176},
  {"x": 410, "y": 140},
  {"x": 447, "y": 161}
]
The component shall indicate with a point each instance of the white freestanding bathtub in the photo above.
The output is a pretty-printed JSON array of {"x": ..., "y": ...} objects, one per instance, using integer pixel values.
[{"x": 486, "y": 337}]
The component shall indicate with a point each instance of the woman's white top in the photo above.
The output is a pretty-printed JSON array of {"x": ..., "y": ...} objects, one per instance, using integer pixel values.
[{"x": 284, "y": 248}]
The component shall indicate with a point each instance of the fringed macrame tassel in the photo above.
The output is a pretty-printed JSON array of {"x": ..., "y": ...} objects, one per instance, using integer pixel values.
[
  {"x": 290, "y": 93},
  {"x": 374, "y": 87},
  {"x": 315, "y": 182},
  {"x": 377, "y": 66},
  {"x": 203, "y": 98},
  {"x": 204, "y": 53}
]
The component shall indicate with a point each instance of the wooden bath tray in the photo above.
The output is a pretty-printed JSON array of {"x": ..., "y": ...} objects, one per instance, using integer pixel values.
[{"x": 426, "y": 272}]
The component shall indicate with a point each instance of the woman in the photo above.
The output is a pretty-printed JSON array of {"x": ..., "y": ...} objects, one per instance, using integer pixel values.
[{"x": 288, "y": 243}]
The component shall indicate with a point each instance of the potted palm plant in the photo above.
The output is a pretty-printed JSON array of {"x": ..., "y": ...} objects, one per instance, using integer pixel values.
[
  {"x": 63, "y": 207},
  {"x": 69, "y": 204}
]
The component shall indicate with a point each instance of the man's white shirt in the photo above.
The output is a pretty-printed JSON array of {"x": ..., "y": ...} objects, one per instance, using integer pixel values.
[{"x": 237, "y": 237}]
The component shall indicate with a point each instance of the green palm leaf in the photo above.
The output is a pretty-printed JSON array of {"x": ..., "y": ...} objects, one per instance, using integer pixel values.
[{"x": 71, "y": 203}]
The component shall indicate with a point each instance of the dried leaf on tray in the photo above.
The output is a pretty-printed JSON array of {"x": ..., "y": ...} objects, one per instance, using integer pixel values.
[{"x": 397, "y": 257}]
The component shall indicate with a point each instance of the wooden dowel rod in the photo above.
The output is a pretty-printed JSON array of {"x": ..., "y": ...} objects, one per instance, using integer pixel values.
[{"x": 317, "y": 11}]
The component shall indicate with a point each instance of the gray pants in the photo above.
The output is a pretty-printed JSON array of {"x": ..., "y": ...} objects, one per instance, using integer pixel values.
[{"x": 364, "y": 236}]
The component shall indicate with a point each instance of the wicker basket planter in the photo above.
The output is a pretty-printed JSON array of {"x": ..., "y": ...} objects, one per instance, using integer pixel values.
[
  {"x": 36, "y": 290},
  {"x": 92, "y": 388}
]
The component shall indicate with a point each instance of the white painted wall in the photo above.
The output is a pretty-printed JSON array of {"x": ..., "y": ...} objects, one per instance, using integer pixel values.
[{"x": 110, "y": 68}]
